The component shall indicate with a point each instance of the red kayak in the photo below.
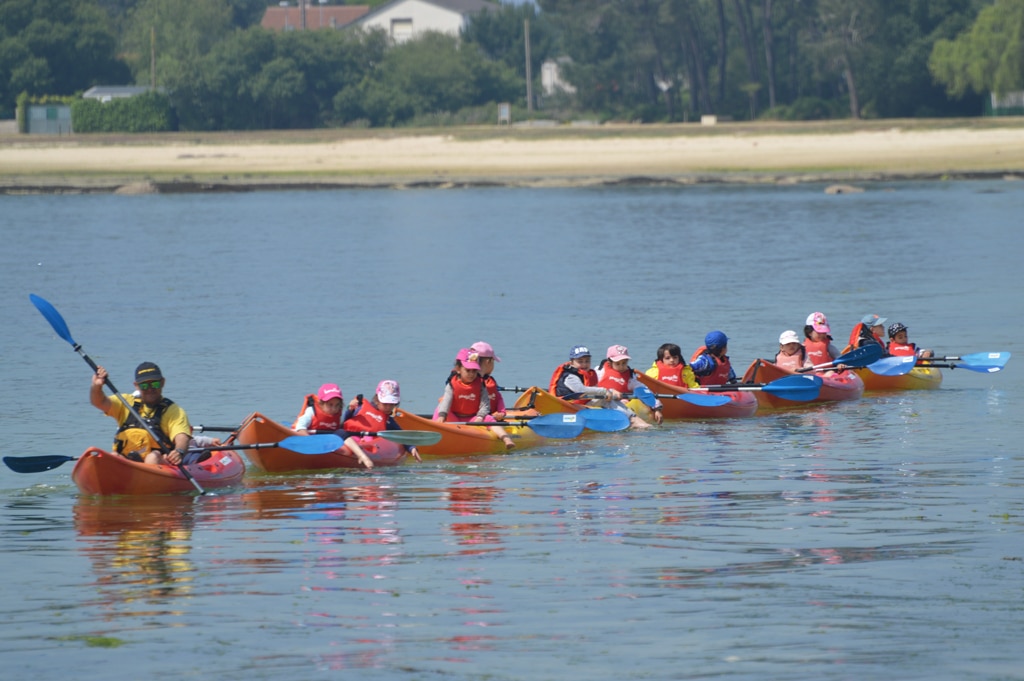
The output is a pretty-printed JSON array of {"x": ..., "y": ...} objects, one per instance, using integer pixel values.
[
  {"x": 258, "y": 429},
  {"x": 100, "y": 472},
  {"x": 740, "y": 405},
  {"x": 836, "y": 386}
]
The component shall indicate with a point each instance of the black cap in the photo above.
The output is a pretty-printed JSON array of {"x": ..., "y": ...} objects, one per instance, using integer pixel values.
[{"x": 147, "y": 371}]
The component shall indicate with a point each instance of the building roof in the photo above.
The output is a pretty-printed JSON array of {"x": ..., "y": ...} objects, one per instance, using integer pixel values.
[
  {"x": 335, "y": 16},
  {"x": 114, "y": 91},
  {"x": 463, "y": 7}
]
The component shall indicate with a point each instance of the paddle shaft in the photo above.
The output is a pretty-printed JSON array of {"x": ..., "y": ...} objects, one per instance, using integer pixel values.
[{"x": 60, "y": 326}]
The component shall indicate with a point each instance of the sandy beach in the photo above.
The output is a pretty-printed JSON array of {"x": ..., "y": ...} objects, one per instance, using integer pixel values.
[{"x": 772, "y": 153}]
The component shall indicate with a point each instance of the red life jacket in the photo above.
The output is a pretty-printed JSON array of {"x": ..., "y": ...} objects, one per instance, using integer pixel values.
[
  {"x": 497, "y": 401},
  {"x": 817, "y": 351},
  {"x": 898, "y": 350},
  {"x": 791, "y": 362},
  {"x": 465, "y": 398},
  {"x": 616, "y": 380},
  {"x": 723, "y": 368},
  {"x": 671, "y": 375},
  {"x": 368, "y": 418},
  {"x": 321, "y": 419},
  {"x": 859, "y": 337}
]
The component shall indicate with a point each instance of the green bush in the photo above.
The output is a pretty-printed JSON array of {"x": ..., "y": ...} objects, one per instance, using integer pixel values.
[{"x": 148, "y": 112}]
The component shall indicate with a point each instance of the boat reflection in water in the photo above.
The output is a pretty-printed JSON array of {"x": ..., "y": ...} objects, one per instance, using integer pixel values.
[{"x": 139, "y": 549}]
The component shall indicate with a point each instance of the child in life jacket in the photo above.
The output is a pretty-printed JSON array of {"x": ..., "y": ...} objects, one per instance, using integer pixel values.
[
  {"x": 710, "y": 362},
  {"x": 670, "y": 367},
  {"x": 377, "y": 413},
  {"x": 614, "y": 373},
  {"x": 871, "y": 329},
  {"x": 817, "y": 341},
  {"x": 465, "y": 398},
  {"x": 320, "y": 412},
  {"x": 486, "y": 358},
  {"x": 791, "y": 355},
  {"x": 899, "y": 346}
]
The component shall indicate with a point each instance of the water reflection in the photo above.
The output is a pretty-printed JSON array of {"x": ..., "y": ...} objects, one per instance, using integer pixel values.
[
  {"x": 139, "y": 549},
  {"x": 469, "y": 499}
]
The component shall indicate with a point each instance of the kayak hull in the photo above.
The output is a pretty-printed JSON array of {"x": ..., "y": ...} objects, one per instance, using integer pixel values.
[
  {"x": 459, "y": 440},
  {"x": 742, "y": 404},
  {"x": 260, "y": 429},
  {"x": 546, "y": 403},
  {"x": 106, "y": 473},
  {"x": 836, "y": 386},
  {"x": 919, "y": 378}
]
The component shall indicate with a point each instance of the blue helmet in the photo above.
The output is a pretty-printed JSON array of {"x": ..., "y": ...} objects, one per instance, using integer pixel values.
[{"x": 715, "y": 340}]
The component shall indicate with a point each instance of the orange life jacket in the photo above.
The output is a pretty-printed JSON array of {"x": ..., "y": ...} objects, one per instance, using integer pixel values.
[
  {"x": 791, "y": 362},
  {"x": 563, "y": 371},
  {"x": 465, "y": 398},
  {"x": 817, "y": 351},
  {"x": 904, "y": 350},
  {"x": 497, "y": 401},
  {"x": 321, "y": 419},
  {"x": 671, "y": 375},
  {"x": 616, "y": 380}
]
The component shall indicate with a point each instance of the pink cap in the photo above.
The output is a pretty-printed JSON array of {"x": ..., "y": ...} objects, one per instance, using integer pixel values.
[
  {"x": 468, "y": 358},
  {"x": 388, "y": 393},
  {"x": 818, "y": 321},
  {"x": 484, "y": 350},
  {"x": 618, "y": 352},
  {"x": 329, "y": 391}
]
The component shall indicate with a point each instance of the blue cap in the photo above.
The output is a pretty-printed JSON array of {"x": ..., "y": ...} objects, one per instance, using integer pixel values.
[
  {"x": 579, "y": 351},
  {"x": 715, "y": 339}
]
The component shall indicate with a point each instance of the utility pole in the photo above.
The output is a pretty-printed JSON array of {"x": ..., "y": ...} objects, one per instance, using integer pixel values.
[
  {"x": 529, "y": 70},
  {"x": 152, "y": 57},
  {"x": 302, "y": 6}
]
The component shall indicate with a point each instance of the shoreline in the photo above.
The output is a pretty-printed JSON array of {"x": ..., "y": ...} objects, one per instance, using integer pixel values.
[{"x": 681, "y": 154}]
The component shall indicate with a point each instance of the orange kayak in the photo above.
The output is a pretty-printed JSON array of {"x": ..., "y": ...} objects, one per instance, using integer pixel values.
[
  {"x": 740, "y": 405},
  {"x": 458, "y": 440},
  {"x": 546, "y": 403},
  {"x": 258, "y": 428},
  {"x": 919, "y": 378},
  {"x": 100, "y": 472},
  {"x": 836, "y": 386}
]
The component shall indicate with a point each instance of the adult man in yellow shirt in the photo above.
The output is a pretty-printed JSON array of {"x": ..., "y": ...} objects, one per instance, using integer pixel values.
[{"x": 165, "y": 418}]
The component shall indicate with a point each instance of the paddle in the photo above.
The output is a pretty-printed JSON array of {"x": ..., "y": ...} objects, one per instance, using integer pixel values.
[
  {"x": 645, "y": 395},
  {"x": 893, "y": 366},
  {"x": 61, "y": 328},
  {"x": 982, "y": 362},
  {"x": 301, "y": 444},
  {"x": 412, "y": 438},
  {"x": 860, "y": 357},
  {"x": 794, "y": 388},
  {"x": 549, "y": 425}
]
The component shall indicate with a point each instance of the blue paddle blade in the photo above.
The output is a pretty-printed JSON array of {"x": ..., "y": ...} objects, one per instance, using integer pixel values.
[
  {"x": 893, "y": 366},
  {"x": 311, "y": 444},
  {"x": 558, "y": 425},
  {"x": 861, "y": 357},
  {"x": 52, "y": 316},
  {"x": 704, "y": 399},
  {"x": 795, "y": 388},
  {"x": 36, "y": 464},
  {"x": 644, "y": 394},
  {"x": 985, "y": 362},
  {"x": 606, "y": 420}
]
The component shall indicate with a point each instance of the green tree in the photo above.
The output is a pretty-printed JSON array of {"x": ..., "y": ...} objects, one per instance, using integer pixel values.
[
  {"x": 431, "y": 74},
  {"x": 988, "y": 57},
  {"x": 55, "y": 47},
  {"x": 177, "y": 32}
]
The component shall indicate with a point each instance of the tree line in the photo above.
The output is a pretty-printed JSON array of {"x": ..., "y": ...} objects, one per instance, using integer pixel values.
[{"x": 645, "y": 60}]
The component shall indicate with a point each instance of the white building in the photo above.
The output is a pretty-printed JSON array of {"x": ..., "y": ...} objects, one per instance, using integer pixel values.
[{"x": 405, "y": 19}]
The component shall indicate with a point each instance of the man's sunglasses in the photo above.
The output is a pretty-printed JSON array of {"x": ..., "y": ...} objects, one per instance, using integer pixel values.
[{"x": 155, "y": 385}]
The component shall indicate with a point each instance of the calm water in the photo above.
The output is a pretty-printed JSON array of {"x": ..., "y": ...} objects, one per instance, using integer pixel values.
[{"x": 875, "y": 539}]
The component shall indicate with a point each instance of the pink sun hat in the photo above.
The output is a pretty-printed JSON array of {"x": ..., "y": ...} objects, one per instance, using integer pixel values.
[
  {"x": 618, "y": 352},
  {"x": 328, "y": 391},
  {"x": 484, "y": 350},
  {"x": 468, "y": 358},
  {"x": 388, "y": 392},
  {"x": 818, "y": 321}
]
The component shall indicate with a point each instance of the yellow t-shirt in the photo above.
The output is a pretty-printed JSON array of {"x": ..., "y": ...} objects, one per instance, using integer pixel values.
[{"x": 173, "y": 421}]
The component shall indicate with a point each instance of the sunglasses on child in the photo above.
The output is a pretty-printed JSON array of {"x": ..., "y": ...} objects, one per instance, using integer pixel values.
[{"x": 155, "y": 385}]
